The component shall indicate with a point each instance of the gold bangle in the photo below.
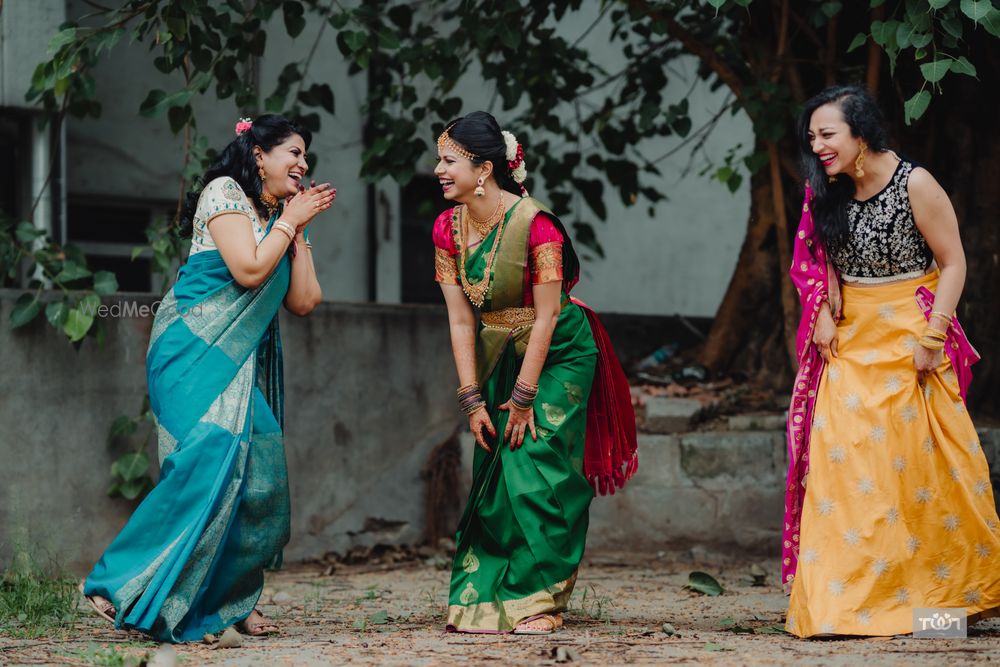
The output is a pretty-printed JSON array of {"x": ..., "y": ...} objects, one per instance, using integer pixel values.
[
  {"x": 931, "y": 345},
  {"x": 935, "y": 333},
  {"x": 941, "y": 314},
  {"x": 285, "y": 229}
]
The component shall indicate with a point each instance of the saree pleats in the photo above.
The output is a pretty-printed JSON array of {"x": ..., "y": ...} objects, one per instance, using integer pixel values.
[
  {"x": 898, "y": 510},
  {"x": 190, "y": 559},
  {"x": 523, "y": 533}
]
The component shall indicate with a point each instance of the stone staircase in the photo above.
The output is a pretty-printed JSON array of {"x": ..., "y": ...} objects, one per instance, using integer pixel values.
[{"x": 720, "y": 488}]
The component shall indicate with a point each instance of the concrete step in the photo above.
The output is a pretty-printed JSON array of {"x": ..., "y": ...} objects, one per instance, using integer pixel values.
[
  {"x": 757, "y": 422},
  {"x": 665, "y": 415}
]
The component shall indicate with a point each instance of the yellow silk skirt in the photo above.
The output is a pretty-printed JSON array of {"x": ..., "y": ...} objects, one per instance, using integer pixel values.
[{"x": 898, "y": 511}]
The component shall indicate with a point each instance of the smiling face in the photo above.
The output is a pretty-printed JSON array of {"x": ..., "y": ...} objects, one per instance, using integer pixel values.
[
  {"x": 831, "y": 140},
  {"x": 458, "y": 175},
  {"x": 284, "y": 166}
]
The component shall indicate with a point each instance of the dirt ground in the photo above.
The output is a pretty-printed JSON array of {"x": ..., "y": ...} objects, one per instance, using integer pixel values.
[{"x": 394, "y": 615}]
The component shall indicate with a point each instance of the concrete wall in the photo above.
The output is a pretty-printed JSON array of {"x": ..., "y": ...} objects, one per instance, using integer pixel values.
[
  {"x": 369, "y": 395},
  {"x": 368, "y": 398},
  {"x": 25, "y": 31}
]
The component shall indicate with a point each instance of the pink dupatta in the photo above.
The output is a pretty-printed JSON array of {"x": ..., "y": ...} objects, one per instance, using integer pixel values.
[{"x": 816, "y": 281}]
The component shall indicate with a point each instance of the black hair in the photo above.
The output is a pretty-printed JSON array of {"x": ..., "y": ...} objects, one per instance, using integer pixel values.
[
  {"x": 238, "y": 162},
  {"x": 480, "y": 134},
  {"x": 830, "y": 199}
]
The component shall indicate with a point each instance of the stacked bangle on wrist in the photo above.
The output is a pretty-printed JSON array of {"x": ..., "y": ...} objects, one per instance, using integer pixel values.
[
  {"x": 285, "y": 229},
  {"x": 523, "y": 394},
  {"x": 933, "y": 339},
  {"x": 944, "y": 316},
  {"x": 470, "y": 398}
]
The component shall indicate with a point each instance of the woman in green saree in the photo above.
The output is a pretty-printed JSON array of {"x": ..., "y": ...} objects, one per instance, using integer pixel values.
[
  {"x": 538, "y": 369},
  {"x": 191, "y": 559}
]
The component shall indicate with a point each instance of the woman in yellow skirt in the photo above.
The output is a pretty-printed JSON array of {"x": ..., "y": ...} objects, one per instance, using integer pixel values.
[{"x": 889, "y": 506}]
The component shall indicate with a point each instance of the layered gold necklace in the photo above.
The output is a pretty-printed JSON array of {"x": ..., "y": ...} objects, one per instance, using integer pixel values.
[
  {"x": 477, "y": 291},
  {"x": 484, "y": 226}
]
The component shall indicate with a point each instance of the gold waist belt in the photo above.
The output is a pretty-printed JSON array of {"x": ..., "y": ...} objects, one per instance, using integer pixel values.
[{"x": 508, "y": 318}]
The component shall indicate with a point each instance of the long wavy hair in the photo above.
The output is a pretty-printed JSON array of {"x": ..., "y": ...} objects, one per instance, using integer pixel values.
[
  {"x": 237, "y": 161},
  {"x": 480, "y": 133},
  {"x": 829, "y": 204}
]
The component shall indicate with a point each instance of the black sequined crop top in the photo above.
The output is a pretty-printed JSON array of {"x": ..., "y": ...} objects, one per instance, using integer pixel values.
[{"x": 884, "y": 242}]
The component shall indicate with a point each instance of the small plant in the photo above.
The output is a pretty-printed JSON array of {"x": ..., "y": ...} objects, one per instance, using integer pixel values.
[
  {"x": 34, "y": 603},
  {"x": 592, "y": 605}
]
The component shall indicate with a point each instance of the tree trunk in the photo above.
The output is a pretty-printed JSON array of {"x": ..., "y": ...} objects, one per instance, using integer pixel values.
[{"x": 747, "y": 335}]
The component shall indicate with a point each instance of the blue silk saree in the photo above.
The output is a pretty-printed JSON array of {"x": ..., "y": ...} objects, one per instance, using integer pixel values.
[{"x": 191, "y": 558}]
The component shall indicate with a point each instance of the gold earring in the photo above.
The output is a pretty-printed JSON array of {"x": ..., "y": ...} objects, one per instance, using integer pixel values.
[
  {"x": 859, "y": 164},
  {"x": 263, "y": 176},
  {"x": 480, "y": 190}
]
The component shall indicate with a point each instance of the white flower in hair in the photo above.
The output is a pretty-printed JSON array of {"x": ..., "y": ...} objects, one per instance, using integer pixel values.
[
  {"x": 519, "y": 174},
  {"x": 511, "y": 142}
]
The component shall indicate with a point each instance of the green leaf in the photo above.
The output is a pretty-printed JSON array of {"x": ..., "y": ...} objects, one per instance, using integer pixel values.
[
  {"x": 915, "y": 107},
  {"x": 953, "y": 26},
  {"x": 131, "y": 466},
  {"x": 105, "y": 283},
  {"x": 858, "y": 41},
  {"x": 27, "y": 232},
  {"x": 77, "y": 324},
  {"x": 712, "y": 646},
  {"x": 704, "y": 583},
  {"x": 355, "y": 40},
  {"x": 61, "y": 39},
  {"x": 938, "y": 4},
  {"x": 379, "y": 617},
  {"x": 56, "y": 313},
  {"x": 295, "y": 21},
  {"x": 935, "y": 71},
  {"x": 963, "y": 66},
  {"x": 388, "y": 40},
  {"x": 158, "y": 101},
  {"x": 72, "y": 271},
  {"x": 132, "y": 489},
  {"x": 25, "y": 309},
  {"x": 136, "y": 251},
  {"x": 831, "y": 9},
  {"x": 977, "y": 10},
  {"x": 122, "y": 426},
  {"x": 991, "y": 22}
]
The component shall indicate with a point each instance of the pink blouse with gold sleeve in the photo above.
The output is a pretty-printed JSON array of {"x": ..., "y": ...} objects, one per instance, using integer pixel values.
[{"x": 545, "y": 260}]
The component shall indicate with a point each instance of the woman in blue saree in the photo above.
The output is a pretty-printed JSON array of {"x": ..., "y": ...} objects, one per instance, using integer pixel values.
[{"x": 190, "y": 560}]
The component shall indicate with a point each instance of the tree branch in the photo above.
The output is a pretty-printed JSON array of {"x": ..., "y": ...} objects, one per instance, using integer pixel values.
[{"x": 695, "y": 47}]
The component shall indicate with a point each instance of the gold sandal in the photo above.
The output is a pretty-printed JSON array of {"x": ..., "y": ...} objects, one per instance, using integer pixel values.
[
  {"x": 107, "y": 612},
  {"x": 262, "y": 628},
  {"x": 554, "y": 620}
]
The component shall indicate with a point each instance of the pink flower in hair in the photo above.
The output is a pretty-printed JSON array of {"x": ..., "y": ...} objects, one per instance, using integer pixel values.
[{"x": 243, "y": 125}]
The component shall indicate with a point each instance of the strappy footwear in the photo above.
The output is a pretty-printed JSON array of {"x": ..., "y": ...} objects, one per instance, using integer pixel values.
[
  {"x": 106, "y": 610},
  {"x": 261, "y": 628},
  {"x": 554, "y": 621}
]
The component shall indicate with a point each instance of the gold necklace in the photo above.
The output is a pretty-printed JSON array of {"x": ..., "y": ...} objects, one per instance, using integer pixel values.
[
  {"x": 483, "y": 227},
  {"x": 270, "y": 202},
  {"x": 476, "y": 292}
]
